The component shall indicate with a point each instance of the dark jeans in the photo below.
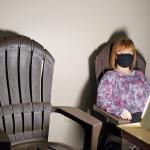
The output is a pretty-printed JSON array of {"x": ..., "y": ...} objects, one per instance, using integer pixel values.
[{"x": 136, "y": 117}]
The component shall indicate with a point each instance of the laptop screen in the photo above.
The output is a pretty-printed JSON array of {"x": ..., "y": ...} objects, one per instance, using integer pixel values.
[{"x": 145, "y": 122}]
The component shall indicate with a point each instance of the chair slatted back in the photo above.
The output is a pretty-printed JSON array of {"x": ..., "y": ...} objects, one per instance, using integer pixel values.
[{"x": 26, "y": 72}]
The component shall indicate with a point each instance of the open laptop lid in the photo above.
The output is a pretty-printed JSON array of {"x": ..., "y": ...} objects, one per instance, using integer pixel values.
[{"x": 145, "y": 122}]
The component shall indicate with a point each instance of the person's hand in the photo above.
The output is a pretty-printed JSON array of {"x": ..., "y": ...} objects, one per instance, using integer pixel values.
[{"x": 126, "y": 115}]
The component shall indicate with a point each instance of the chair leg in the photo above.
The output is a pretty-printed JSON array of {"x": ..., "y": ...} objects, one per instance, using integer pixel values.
[
  {"x": 109, "y": 137},
  {"x": 103, "y": 136},
  {"x": 91, "y": 137},
  {"x": 95, "y": 136}
]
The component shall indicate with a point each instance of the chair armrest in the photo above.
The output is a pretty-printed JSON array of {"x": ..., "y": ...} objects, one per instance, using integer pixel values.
[
  {"x": 91, "y": 125},
  {"x": 77, "y": 115},
  {"x": 110, "y": 118},
  {"x": 4, "y": 141}
]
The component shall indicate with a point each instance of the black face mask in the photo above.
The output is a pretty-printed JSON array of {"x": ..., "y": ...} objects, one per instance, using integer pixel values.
[{"x": 124, "y": 60}]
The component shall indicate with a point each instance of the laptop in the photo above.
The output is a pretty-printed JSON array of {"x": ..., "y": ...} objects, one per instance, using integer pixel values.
[{"x": 145, "y": 119}]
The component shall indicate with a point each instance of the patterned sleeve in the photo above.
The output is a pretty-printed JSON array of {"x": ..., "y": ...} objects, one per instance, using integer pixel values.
[
  {"x": 105, "y": 98},
  {"x": 147, "y": 85},
  {"x": 146, "y": 88}
]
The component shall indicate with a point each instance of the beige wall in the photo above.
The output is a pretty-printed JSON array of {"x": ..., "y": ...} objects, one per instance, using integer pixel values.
[{"x": 72, "y": 30}]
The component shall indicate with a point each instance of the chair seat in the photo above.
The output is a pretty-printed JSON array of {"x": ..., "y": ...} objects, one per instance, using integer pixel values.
[
  {"x": 42, "y": 145},
  {"x": 34, "y": 145},
  {"x": 61, "y": 146}
]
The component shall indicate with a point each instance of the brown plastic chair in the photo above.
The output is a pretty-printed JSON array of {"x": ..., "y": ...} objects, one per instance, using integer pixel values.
[
  {"x": 109, "y": 128},
  {"x": 26, "y": 71}
]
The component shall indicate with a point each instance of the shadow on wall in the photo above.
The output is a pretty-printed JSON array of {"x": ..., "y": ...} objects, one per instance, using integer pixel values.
[
  {"x": 88, "y": 97},
  {"x": 7, "y": 33}
]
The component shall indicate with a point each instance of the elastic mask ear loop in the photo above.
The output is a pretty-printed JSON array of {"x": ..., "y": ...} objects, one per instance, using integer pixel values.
[
  {"x": 131, "y": 67},
  {"x": 115, "y": 60},
  {"x": 133, "y": 61}
]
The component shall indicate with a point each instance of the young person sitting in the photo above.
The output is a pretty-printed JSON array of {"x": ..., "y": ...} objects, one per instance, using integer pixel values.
[{"x": 123, "y": 91}]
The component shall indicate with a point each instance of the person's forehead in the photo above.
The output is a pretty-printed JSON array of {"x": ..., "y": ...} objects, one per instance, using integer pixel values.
[{"x": 126, "y": 51}]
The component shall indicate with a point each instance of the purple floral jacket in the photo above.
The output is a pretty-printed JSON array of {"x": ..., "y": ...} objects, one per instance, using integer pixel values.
[{"x": 117, "y": 92}]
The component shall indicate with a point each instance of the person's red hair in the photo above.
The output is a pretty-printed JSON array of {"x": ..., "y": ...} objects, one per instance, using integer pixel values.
[{"x": 121, "y": 45}]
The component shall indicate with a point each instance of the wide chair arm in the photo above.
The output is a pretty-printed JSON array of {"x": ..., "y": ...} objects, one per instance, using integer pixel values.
[
  {"x": 4, "y": 141},
  {"x": 91, "y": 125},
  {"x": 109, "y": 117}
]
